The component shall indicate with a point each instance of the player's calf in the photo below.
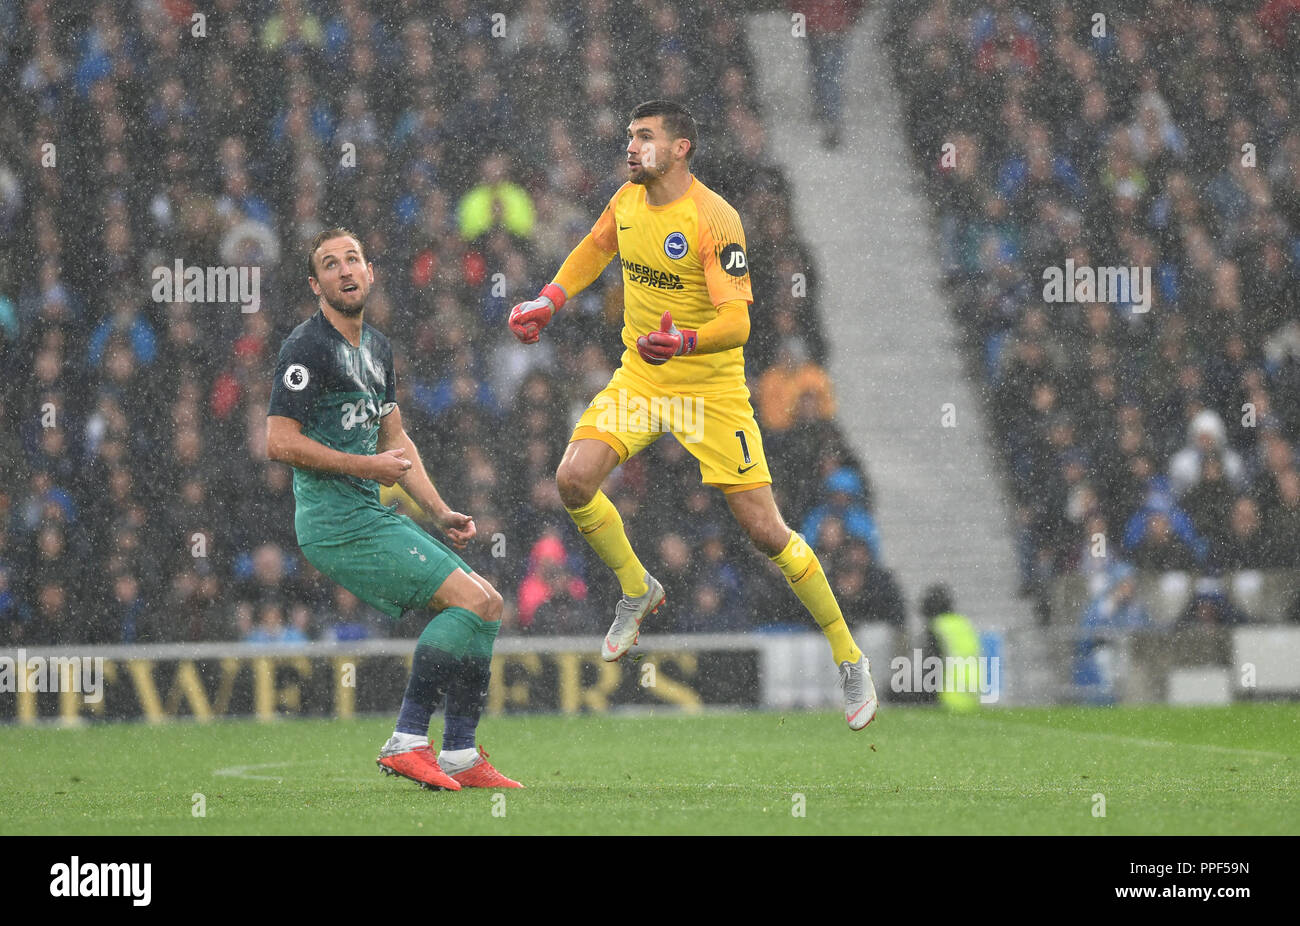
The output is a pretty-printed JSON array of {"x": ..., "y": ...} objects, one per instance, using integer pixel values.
[{"x": 758, "y": 516}]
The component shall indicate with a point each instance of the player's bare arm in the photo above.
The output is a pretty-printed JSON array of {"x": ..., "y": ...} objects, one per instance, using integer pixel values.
[
  {"x": 393, "y": 438},
  {"x": 285, "y": 443}
]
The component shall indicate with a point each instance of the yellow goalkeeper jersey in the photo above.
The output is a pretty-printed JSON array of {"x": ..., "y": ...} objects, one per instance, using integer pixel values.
[{"x": 687, "y": 257}]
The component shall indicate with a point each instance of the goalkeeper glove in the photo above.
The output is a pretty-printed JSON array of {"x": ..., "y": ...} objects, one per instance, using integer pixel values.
[
  {"x": 527, "y": 319},
  {"x": 661, "y": 346}
]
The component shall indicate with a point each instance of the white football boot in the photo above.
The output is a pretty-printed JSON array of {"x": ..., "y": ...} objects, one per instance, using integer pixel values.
[
  {"x": 860, "y": 701},
  {"x": 628, "y": 615}
]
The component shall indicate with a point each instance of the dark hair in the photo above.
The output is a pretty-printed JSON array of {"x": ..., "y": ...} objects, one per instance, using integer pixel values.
[
  {"x": 937, "y": 600},
  {"x": 325, "y": 235},
  {"x": 678, "y": 121}
]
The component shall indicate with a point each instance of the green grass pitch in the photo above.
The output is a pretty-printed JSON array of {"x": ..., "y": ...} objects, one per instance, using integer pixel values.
[{"x": 915, "y": 770}]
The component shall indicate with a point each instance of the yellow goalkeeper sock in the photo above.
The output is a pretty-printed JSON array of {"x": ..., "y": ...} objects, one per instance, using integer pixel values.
[
  {"x": 799, "y": 565},
  {"x": 599, "y": 522}
]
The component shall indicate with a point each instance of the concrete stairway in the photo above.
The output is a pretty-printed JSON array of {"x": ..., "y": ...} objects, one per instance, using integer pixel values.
[{"x": 941, "y": 506}]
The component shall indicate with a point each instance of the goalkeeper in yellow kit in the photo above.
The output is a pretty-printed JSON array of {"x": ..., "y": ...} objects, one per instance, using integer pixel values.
[{"x": 686, "y": 316}]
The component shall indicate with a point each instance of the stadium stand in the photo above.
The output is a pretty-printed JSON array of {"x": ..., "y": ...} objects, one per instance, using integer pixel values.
[
  {"x": 136, "y": 503},
  {"x": 1164, "y": 137}
]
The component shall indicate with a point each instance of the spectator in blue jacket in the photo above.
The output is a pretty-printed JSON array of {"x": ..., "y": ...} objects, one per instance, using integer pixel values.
[
  {"x": 1160, "y": 535},
  {"x": 847, "y": 502},
  {"x": 128, "y": 319}
]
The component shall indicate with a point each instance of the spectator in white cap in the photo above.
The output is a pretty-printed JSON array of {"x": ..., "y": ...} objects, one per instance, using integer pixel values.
[{"x": 1205, "y": 435}]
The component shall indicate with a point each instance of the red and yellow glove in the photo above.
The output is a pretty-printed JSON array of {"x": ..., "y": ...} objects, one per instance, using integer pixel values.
[
  {"x": 661, "y": 346},
  {"x": 527, "y": 319}
]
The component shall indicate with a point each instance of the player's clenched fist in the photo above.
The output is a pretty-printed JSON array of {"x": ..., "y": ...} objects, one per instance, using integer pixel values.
[
  {"x": 660, "y": 346},
  {"x": 529, "y": 318},
  {"x": 458, "y": 527},
  {"x": 388, "y": 467}
]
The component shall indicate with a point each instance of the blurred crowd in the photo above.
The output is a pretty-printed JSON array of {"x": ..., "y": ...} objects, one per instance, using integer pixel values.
[
  {"x": 470, "y": 150},
  {"x": 1159, "y": 134}
]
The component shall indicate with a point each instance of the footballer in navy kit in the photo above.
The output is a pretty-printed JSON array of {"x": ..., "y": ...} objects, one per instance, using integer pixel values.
[{"x": 334, "y": 418}]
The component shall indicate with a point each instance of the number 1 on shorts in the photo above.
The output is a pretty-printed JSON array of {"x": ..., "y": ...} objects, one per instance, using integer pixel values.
[{"x": 744, "y": 447}]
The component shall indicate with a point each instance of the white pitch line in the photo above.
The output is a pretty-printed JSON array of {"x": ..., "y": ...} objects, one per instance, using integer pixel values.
[{"x": 244, "y": 771}]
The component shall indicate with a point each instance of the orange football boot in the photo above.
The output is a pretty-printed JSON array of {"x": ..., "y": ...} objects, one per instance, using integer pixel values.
[
  {"x": 419, "y": 765},
  {"x": 482, "y": 775}
]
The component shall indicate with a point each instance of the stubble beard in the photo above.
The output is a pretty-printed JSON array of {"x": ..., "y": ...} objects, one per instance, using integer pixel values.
[
  {"x": 348, "y": 311},
  {"x": 649, "y": 175}
]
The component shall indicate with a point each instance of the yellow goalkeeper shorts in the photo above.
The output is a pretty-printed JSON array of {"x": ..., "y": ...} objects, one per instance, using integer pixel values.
[{"x": 718, "y": 429}]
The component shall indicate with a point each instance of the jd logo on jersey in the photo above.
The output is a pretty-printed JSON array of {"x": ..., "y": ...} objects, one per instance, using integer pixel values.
[
  {"x": 675, "y": 246},
  {"x": 732, "y": 260}
]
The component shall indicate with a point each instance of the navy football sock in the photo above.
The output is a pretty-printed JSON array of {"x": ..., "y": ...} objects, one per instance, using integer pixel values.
[
  {"x": 465, "y": 700},
  {"x": 432, "y": 671}
]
